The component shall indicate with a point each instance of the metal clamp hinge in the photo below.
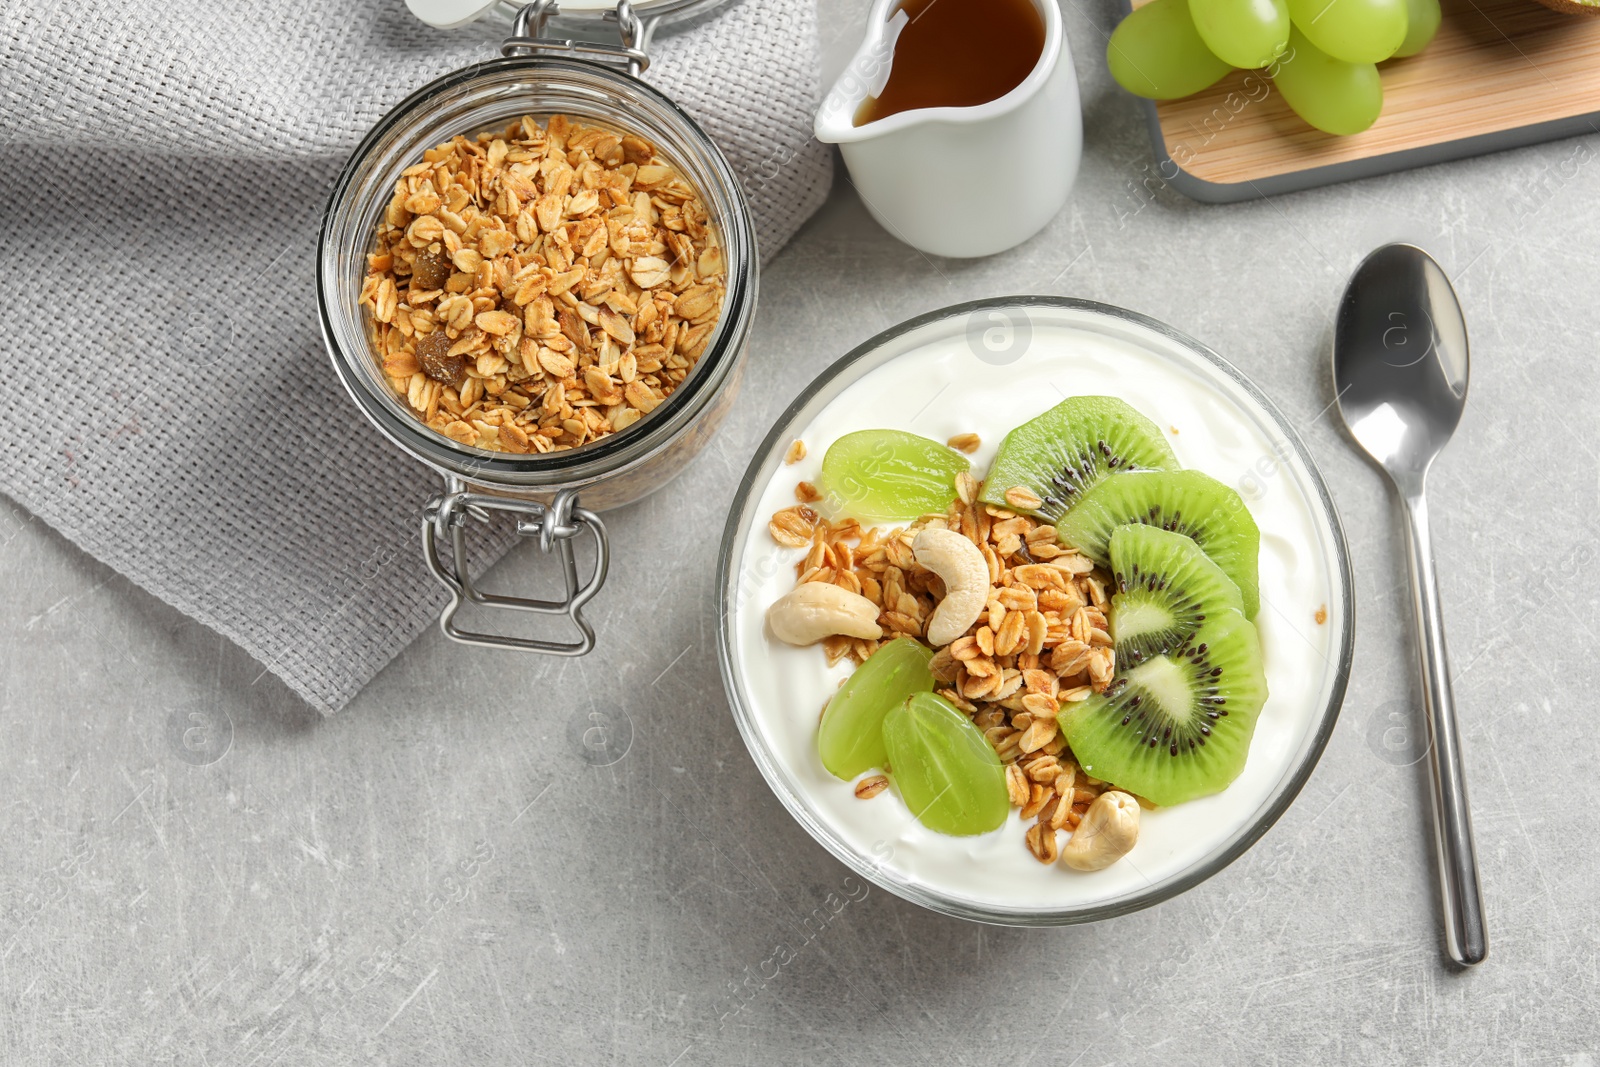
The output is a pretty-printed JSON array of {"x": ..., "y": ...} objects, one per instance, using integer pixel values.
[
  {"x": 528, "y": 29},
  {"x": 556, "y": 525}
]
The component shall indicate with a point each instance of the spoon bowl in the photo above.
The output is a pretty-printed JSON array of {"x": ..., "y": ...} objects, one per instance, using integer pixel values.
[{"x": 1400, "y": 359}]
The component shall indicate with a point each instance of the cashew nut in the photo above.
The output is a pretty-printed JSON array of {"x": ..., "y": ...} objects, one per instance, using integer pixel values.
[
  {"x": 966, "y": 581},
  {"x": 815, "y": 610},
  {"x": 1107, "y": 833}
]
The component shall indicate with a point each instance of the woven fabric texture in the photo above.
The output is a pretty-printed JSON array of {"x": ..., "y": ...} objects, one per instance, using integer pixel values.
[{"x": 168, "y": 405}]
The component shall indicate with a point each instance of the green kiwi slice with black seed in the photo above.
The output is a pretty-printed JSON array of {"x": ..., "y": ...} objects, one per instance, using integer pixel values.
[
  {"x": 1175, "y": 726},
  {"x": 1165, "y": 589},
  {"x": 1071, "y": 448},
  {"x": 1185, "y": 502}
]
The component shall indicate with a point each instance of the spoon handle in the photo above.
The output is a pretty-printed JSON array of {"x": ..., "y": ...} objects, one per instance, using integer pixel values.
[{"x": 1466, "y": 940}]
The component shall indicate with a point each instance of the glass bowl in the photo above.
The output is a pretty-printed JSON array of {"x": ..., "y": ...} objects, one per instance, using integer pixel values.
[{"x": 985, "y": 367}]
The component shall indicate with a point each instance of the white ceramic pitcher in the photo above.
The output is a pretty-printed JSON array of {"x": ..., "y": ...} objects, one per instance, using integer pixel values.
[{"x": 960, "y": 181}]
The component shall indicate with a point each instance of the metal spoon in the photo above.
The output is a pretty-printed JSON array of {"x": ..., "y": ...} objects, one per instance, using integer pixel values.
[{"x": 1400, "y": 367}]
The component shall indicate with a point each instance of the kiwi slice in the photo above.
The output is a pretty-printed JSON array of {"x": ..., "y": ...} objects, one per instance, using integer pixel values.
[
  {"x": 1069, "y": 449},
  {"x": 1166, "y": 587},
  {"x": 1178, "y": 725},
  {"x": 1185, "y": 502}
]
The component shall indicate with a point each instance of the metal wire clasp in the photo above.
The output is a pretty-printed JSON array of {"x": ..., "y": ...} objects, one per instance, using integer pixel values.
[
  {"x": 556, "y": 525},
  {"x": 527, "y": 36}
]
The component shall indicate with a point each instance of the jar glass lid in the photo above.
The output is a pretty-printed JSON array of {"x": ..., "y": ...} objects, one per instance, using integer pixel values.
[{"x": 445, "y": 14}]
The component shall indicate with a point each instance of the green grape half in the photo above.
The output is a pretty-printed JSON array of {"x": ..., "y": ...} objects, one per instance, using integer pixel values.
[
  {"x": 1157, "y": 53},
  {"x": 947, "y": 772},
  {"x": 850, "y": 740},
  {"x": 1422, "y": 22},
  {"x": 1356, "y": 31},
  {"x": 1330, "y": 94},
  {"x": 889, "y": 476},
  {"x": 1245, "y": 33}
]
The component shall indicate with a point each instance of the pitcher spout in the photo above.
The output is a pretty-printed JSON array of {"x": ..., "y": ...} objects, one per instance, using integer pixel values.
[{"x": 864, "y": 77}]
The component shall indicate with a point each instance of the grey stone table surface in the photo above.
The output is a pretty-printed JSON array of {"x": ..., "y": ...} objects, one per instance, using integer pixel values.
[{"x": 445, "y": 873}]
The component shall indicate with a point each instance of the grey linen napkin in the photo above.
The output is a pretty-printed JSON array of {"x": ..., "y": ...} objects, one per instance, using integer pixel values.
[{"x": 167, "y": 402}]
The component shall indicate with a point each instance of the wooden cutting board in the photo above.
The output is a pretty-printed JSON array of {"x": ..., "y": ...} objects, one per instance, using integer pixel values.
[{"x": 1500, "y": 74}]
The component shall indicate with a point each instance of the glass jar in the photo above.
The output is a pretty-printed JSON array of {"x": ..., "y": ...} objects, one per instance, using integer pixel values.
[{"x": 537, "y": 76}]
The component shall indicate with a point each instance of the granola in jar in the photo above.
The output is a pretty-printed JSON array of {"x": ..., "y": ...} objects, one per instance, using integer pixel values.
[{"x": 541, "y": 287}]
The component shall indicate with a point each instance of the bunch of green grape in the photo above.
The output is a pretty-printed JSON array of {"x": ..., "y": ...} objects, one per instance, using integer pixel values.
[{"x": 1323, "y": 55}]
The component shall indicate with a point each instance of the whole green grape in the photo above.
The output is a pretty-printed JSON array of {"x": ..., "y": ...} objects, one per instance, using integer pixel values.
[
  {"x": 850, "y": 739},
  {"x": 1245, "y": 33},
  {"x": 1422, "y": 22},
  {"x": 1157, "y": 53},
  {"x": 947, "y": 772},
  {"x": 1330, "y": 94},
  {"x": 1356, "y": 31}
]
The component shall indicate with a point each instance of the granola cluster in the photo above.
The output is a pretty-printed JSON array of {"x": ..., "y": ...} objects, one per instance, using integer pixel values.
[
  {"x": 539, "y": 288},
  {"x": 1043, "y": 641}
]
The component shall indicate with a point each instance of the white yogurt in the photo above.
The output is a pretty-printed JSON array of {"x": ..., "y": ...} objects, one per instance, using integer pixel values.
[{"x": 941, "y": 389}]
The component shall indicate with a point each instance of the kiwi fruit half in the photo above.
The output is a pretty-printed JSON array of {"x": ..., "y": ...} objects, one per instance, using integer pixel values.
[
  {"x": 1177, "y": 725},
  {"x": 1166, "y": 588},
  {"x": 1070, "y": 449},
  {"x": 1185, "y": 502}
]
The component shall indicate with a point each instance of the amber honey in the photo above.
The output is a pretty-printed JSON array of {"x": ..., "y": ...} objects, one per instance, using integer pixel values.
[{"x": 957, "y": 53}]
